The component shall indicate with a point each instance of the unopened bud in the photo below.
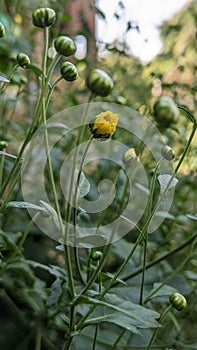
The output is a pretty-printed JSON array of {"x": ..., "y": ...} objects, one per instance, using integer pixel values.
[
  {"x": 69, "y": 71},
  {"x": 178, "y": 301},
  {"x": 23, "y": 60},
  {"x": 99, "y": 82},
  {"x": 96, "y": 255},
  {"x": 167, "y": 152},
  {"x": 43, "y": 17},
  {"x": 65, "y": 46}
]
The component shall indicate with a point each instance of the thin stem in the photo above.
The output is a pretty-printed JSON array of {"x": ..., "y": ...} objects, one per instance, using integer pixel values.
[
  {"x": 180, "y": 266},
  {"x": 2, "y": 159},
  {"x": 51, "y": 90},
  {"x": 162, "y": 318},
  {"x": 113, "y": 347},
  {"x": 97, "y": 326},
  {"x": 141, "y": 235},
  {"x": 38, "y": 341},
  {"x": 9, "y": 77},
  {"x": 28, "y": 229},
  {"x": 149, "y": 209},
  {"x": 158, "y": 260}
]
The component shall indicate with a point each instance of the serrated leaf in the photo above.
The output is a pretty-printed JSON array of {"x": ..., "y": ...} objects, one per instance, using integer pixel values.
[
  {"x": 122, "y": 312},
  {"x": 164, "y": 180},
  {"x": 4, "y": 80},
  {"x": 24, "y": 205}
]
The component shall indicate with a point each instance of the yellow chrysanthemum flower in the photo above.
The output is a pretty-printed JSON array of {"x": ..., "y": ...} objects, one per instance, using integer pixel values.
[{"x": 104, "y": 126}]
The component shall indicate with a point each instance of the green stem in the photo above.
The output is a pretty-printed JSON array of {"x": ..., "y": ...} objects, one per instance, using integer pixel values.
[
  {"x": 97, "y": 326},
  {"x": 2, "y": 159},
  {"x": 141, "y": 235},
  {"x": 45, "y": 80},
  {"x": 113, "y": 347},
  {"x": 162, "y": 318},
  {"x": 171, "y": 275},
  {"x": 9, "y": 77},
  {"x": 38, "y": 341},
  {"x": 51, "y": 90},
  {"x": 76, "y": 255},
  {"x": 28, "y": 229},
  {"x": 158, "y": 260},
  {"x": 149, "y": 209},
  {"x": 53, "y": 187}
]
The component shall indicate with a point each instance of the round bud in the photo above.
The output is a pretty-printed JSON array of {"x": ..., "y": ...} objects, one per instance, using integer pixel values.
[
  {"x": 178, "y": 301},
  {"x": 68, "y": 71},
  {"x": 2, "y": 30},
  {"x": 129, "y": 156},
  {"x": 23, "y": 60},
  {"x": 3, "y": 145},
  {"x": 43, "y": 17},
  {"x": 165, "y": 111},
  {"x": 96, "y": 255},
  {"x": 65, "y": 46},
  {"x": 99, "y": 82},
  {"x": 167, "y": 152}
]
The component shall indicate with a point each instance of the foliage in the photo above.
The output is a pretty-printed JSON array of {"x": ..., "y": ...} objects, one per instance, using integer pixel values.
[{"x": 56, "y": 296}]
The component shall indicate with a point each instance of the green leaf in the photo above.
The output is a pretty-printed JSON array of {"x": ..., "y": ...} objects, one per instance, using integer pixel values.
[
  {"x": 56, "y": 291},
  {"x": 83, "y": 185},
  {"x": 164, "y": 180},
  {"x": 192, "y": 216},
  {"x": 56, "y": 271},
  {"x": 35, "y": 69},
  {"x": 122, "y": 312},
  {"x": 109, "y": 276},
  {"x": 24, "y": 205},
  {"x": 3, "y": 79},
  {"x": 52, "y": 213},
  {"x": 165, "y": 290},
  {"x": 91, "y": 241}
]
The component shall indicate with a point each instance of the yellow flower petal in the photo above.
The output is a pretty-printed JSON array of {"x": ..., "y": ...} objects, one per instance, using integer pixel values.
[{"x": 104, "y": 125}]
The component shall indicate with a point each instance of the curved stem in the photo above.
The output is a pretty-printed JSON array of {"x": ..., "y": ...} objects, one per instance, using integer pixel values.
[{"x": 162, "y": 318}]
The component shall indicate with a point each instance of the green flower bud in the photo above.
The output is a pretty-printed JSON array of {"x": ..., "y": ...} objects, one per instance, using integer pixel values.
[
  {"x": 23, "y": 60},
  {"x": 178, "y": 301},
  {"x": 96, "y": 255},
  {"x": 165, "y": 111},
  {"x": 65, "y": 46},
  {"x": 167, "y": 152},
  {"x": 99, "y": 82},
  {"x": 68, "y": 71},
  {"x": 3, "y": 145},
  {"x": 43, "y": 17},
  {"x": 2, "y": 30}
]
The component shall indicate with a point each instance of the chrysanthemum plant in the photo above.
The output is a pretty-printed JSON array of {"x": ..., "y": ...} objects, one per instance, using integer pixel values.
[{"x": 85, "y": 306}]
